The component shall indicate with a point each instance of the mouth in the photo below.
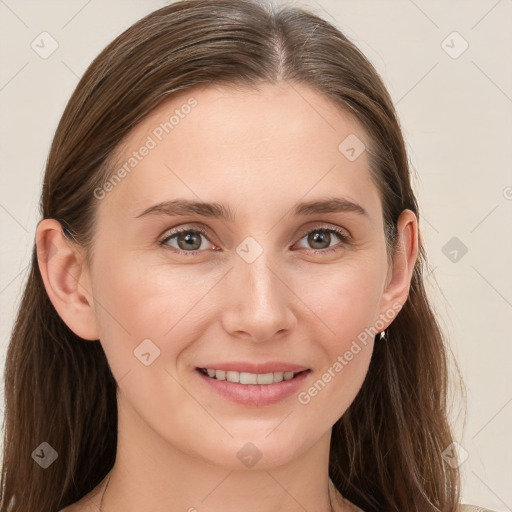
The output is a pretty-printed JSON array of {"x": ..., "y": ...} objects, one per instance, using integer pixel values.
[
  {"x": 247, "y": 378},
  {"x": 253, "y": 389}
]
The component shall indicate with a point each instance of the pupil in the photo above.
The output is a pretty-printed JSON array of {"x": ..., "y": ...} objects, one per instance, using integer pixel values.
[
  {"x": 189, "y": 239},
  {"x": 320, "y": 237}
]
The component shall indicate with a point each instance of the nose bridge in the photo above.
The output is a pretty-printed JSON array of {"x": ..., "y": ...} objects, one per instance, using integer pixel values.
[
  {"x": 260, "y": 301},
  {"x": 253, "y": 265}
]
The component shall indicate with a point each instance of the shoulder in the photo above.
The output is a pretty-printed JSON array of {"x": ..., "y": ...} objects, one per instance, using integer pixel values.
[{"x": 473, "y": 508}]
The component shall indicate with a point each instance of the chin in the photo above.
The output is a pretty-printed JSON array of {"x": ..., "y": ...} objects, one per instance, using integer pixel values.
[{"x": 257, "y": 450}]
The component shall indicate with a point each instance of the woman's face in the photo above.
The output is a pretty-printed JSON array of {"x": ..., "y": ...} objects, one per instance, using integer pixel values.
[{"x": 249, "y": 292}]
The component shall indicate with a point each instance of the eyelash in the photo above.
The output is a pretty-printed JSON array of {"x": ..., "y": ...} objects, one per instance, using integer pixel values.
[{"x": 343, "y": 236}]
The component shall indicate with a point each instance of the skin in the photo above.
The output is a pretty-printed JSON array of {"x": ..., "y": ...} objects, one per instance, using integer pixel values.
[{"x": 258, "y": 152}]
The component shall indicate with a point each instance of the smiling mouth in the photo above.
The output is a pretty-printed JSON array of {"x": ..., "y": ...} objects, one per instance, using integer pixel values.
[{"x": 247, "y": 378}]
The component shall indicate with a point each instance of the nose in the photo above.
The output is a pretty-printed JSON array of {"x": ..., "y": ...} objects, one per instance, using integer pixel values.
[{"x": 258, "y": 303}]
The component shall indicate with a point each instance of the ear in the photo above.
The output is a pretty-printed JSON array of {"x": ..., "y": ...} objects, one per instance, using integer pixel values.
[
  {"x": 400, "y": 271},
  {"x": 66, "y": 278}
]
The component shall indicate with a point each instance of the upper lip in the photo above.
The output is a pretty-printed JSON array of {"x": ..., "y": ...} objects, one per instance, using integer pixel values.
[{"x": 252, "y": 367}]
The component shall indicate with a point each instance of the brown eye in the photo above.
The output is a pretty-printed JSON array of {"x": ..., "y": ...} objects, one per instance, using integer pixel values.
[
  {"x": 320, "y": 239},
  {"x": 187, "y": 240}
]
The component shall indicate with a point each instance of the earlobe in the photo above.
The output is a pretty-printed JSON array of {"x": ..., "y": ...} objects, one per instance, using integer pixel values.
[
  {"x": 402, "y": 266},
  {"x": 66, "y": 279}
]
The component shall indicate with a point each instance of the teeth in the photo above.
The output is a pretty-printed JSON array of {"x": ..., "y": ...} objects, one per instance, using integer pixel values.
[
  {"x": 249, "y": 378},
  {"x": 252, "y": 378},
  {"x": 232, "y": 376},
  {"x": 264, "y": 378}
]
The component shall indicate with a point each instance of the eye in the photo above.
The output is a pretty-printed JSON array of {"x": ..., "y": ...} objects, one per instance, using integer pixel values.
[
  {"x": 188, "y": 240},
  {"x": 320, "y": 239}
]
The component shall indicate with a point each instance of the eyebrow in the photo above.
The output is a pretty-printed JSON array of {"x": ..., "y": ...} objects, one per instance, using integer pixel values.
[{"x": 183, "y": 207}]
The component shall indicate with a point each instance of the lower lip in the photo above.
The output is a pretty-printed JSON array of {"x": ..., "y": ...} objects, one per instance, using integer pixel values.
[{"x": 255, "y": 394}]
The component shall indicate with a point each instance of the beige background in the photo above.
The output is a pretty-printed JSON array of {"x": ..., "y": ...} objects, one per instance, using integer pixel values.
[{"x": 456, "y": 117}]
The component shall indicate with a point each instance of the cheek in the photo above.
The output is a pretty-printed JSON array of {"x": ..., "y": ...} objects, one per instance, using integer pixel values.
[
  {"x": 137, "y": 302},
  {"x": 345, "y": 298},
  {"x": 346, "y": 307},
  {"x": 335, "y": 387}
]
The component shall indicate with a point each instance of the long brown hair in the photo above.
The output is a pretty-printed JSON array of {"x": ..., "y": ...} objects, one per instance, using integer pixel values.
[{"x": 386, "y": 450}]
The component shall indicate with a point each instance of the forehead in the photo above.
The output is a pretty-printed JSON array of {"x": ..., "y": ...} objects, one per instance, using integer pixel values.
[{"x": 277, "y": 141}]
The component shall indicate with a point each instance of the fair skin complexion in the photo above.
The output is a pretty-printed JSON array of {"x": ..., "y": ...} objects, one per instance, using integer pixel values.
[{"x": 259, "y": 153}]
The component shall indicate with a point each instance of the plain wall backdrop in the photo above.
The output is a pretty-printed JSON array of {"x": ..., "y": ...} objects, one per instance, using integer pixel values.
[{"x": 447, "y": 65}]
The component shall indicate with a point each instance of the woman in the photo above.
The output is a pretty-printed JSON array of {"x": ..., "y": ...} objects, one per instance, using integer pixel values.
[{"x": 225, "y": 308}]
